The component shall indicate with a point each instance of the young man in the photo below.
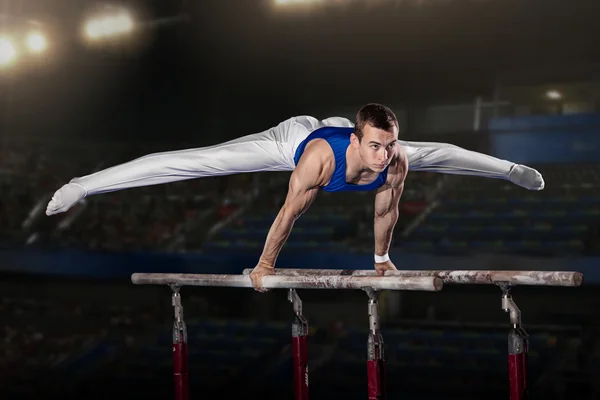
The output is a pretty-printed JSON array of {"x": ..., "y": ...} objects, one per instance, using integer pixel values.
[{"x": 331, "y": 155}]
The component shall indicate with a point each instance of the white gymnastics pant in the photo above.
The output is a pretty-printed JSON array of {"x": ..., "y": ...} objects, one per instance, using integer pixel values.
[{"x": 273, "y": 150}]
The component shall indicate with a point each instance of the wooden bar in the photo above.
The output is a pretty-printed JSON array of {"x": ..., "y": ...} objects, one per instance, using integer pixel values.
[
  {"x": 424, "y": 283},
  {"x": 477, "y": 277}
]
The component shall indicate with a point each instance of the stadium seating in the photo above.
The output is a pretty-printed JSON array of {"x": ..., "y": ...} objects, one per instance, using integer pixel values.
[
  {"x": 468, "y": 215},
  {"x": 481, "y": 215},
  {"x": 335, "y": 221},
  {"x": 327, "y": 224}
]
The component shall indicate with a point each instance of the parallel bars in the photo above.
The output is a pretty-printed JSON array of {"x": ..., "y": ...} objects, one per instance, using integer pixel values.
[
  {"x": 367, "y": 280},
  {"x": 371, "y": 284},
  {"x": 518, "y": 344}
]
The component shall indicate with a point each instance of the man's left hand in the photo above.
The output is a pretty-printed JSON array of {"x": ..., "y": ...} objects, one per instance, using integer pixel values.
[
  {"x": 261, "y": 269},
  {"x": 384, "y": 266}
]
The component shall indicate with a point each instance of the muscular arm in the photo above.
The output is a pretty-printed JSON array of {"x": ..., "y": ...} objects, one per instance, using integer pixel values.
[
  {"x": 303, "y": 187},
  {"x": 386, "y": 206}
]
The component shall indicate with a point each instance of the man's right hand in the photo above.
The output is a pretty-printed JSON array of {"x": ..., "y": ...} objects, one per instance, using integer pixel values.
[{"x": 257, "y": 274}]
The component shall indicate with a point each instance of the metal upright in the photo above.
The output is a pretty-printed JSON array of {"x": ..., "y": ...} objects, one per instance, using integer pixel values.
[
  {"x": 518, "y": 346},
  {"x": 299, "y": 348},
  {"x": 180, "y": 349},
  {"x": 375, "y": 351}
]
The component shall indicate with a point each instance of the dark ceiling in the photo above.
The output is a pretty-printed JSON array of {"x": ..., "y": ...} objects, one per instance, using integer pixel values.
[
  {"x": 365, "y": 44},
  {"x": 246, "y": 53}
]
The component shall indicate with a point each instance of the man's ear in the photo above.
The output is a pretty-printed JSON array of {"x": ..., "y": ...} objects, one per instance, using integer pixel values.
[{"x": 354, "y": 141}]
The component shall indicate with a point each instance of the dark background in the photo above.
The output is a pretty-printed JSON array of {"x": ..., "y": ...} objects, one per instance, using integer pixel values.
[{"x": 197, "y": 73}]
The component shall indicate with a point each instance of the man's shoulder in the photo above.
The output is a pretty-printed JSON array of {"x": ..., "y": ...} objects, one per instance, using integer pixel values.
[
  {"x": 398, "y": 168},
  {"x": 317, "y": 163},
  {"x": 317, "y": 150},
  {"x": 401, "y": 155}
]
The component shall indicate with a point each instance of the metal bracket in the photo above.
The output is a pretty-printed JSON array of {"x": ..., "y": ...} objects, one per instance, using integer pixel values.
[
  {"x": 372, "y": 293},
  {"x": 375, "y": 347},
  {"x": 509, "y": 305},
  {"x": 518, "y": 338},
  {"x": 296, "y": 302},
  {"x": 176, "y": 302},
  {"x": 373, "y": 308},
  {"x": 179, "y": 327},
  {"x": 300, "y": 325}
]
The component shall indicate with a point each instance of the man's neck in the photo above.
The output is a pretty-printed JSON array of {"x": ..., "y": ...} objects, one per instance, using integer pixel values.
[{"x": 355, "y": 167}]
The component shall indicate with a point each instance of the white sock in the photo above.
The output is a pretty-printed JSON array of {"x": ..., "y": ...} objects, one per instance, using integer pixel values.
[
  {"x": 527, "y": 177},
  {"x": 65, "y": 198}
]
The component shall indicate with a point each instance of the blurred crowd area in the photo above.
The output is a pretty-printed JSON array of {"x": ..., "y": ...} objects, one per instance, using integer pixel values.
[
  {"x": 145, "y": 218},
  {"x": 51, "y": 330},
  {"x": 438, "y": 213},
  {"x": 85, "y": 339}
]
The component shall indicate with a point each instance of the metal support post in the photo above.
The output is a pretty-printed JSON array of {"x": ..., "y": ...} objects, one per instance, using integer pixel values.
[
  {"x": 180, "y": 348},
  {"x": 518, "y": 346},
  {"x": 299, "y": 348},
  {"x": 375, "y": 352}
]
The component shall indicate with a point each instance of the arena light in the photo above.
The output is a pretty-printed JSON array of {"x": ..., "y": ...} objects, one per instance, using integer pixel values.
[
  {"x": 36, "y": 42},
  {"x": 296, "y": 2},
  {"x": 109, "y": 26},
  {"x": 553, "y": 95},
  {"x": 8, "y": 52}
]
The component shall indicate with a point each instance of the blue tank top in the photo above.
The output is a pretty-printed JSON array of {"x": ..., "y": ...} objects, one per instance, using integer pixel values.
[{"x": 339, "y": 140}]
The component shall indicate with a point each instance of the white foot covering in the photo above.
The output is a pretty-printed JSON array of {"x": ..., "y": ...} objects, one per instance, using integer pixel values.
[
  {"x": 526, "y": 177},
  {"x": 65, "y": 198}
]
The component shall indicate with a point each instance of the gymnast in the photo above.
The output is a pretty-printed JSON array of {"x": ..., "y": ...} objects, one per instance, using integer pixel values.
[{"x": 333, "y": 155}]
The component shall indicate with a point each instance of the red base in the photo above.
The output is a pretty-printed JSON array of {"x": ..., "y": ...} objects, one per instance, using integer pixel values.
[
  {"x": 180, "y": 371},
  {"x": 300, "y": 359},
  {"x": 517, "y": 375},
  {"x": 376, "y": 376}
]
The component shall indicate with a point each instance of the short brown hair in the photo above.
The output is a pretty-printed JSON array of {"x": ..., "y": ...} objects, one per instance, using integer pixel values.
[{"x": 376, "y": 115}]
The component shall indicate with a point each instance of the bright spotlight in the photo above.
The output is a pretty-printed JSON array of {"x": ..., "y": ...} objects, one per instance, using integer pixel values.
[
  {"x": 554, "y": 95},
  {"x": 123, "y": 23},
  {"x": 98, "y": 28},
  {"x": 36, "y": 42},
  {"x": 8, "y": 53},
  {"x": 93, "y": 29},
  {"x": 294, "y": 2}
]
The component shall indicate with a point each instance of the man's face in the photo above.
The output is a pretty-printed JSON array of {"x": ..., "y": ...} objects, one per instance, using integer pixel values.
[{"x": 377, "y": 147}]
